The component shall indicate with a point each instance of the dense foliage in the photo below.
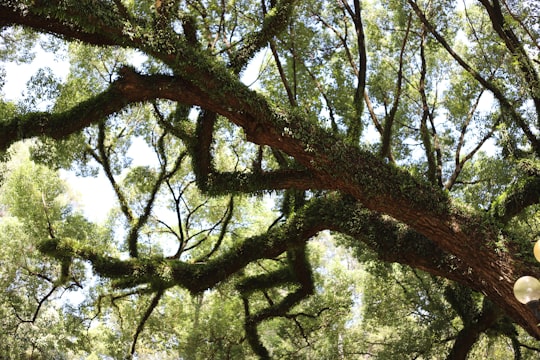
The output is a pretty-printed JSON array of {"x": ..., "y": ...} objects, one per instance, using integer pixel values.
[{"x": 291, "y": 179}]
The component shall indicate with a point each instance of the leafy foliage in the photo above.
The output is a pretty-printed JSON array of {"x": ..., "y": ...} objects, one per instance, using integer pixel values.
[{"x": 406, "y": 132}]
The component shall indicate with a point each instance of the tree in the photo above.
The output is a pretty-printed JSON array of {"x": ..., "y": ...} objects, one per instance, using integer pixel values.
[
  {"x": 416, "y": 74},
  {"x": 38, "y": 206}
]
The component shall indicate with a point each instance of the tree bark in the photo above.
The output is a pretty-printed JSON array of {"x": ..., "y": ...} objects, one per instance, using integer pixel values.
[{"x": 331, "y": 161}]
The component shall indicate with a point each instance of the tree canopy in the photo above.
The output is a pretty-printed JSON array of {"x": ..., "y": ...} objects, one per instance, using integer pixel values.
[{"x": 407, "y": 132}]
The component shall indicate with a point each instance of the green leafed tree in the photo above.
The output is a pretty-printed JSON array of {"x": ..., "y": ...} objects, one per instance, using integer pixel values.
[{"x": 406, "y": 129}]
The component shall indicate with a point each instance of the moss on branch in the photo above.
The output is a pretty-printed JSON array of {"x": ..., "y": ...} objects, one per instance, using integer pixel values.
[
  {"x": 298, "y": 272},
  {"x": 438, "y": 238},
  {"x": 332, "y": 212},
  {"x": 275, "y": 21},
  {"x": 61, "y": 125},
  {"x": 516, "y": 198}
]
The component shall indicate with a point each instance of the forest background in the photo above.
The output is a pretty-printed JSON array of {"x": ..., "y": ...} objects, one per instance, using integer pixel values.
[{"x": 333, "y": 180}]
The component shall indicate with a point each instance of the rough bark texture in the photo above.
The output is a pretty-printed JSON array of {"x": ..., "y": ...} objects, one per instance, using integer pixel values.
[{"x": 438, "y": 238}]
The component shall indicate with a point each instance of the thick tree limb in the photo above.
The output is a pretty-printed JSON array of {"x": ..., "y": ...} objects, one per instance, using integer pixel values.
[
  {"x": 335, "y": 165},
  {"x": 58, "y": 126},
  {"x": 393, "y": 242},
  {"x": 470, "y": 333},
  {"x": 201, "y": 149},
  {"x": 225, "y": 182},
  {"x": 298, "y": 272},
  {"x": 516, "y": 198},
  {"x": 50, "y": 16},
  {"x": 275, "y": 21}
]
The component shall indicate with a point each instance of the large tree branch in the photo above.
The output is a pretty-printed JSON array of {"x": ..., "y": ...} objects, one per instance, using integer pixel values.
[
  {"x": 96, "y": 23},
  {"x": 331, "y": 161},
  {"x": 214, "y": 182},
  {"x": 298, "y": 272},
  {"x": 50, "y": 16},
  {"x": 199, "y": 276},
  {"x": 203, "y": 82},
  {"x": 226, "y": 182},
  {"x": 275, "y": 21},
  {"x": 468, "y": 336},
  {"x": 394, "y": 243},
  {"x": 334, "y": 164},
  {"x": 119, "y": 94},
  {"x": 389, "y": 239},
  {"x": 516, "y": 198}
]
